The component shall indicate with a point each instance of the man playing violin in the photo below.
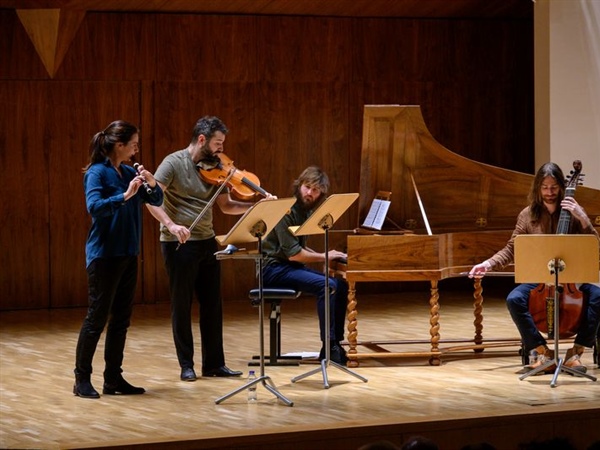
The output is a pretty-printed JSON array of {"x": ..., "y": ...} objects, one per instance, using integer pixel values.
[
  {"x": 189, "y": 253},
  {"x": 287, "y": 257},
  {"x": 547, "y": 199}
]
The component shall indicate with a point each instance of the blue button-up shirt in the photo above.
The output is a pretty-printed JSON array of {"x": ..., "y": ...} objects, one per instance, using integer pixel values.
[{"x": 116, "y": 223}]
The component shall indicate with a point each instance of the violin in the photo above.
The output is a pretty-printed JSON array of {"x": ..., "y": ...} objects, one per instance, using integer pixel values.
[
  {"x": 243, "y": 184},
  {"x": 571, "y": 301}
]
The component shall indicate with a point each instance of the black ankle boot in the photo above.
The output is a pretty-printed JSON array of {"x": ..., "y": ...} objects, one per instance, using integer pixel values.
[
  {"x": 121, "y": 387},
  {"x": 83, "y": 387},
  {"x": 336, "y": 353}
]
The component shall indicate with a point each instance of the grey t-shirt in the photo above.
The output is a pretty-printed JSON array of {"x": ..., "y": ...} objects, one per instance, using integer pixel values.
[{"x": 186, "y": 195}]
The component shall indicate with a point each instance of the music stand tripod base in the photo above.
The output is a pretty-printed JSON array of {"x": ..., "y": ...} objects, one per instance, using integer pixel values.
[
  {"x": 559, "y": 368},
  {"x": 323, "y": 368},
  {"x": 263, "y": 379},
  {"x": 320, "y": 222},
  {"x": 266, "y": 381}
]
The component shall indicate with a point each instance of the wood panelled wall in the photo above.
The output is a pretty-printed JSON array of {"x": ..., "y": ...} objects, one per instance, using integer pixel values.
[{"x": 291, "y": 90}]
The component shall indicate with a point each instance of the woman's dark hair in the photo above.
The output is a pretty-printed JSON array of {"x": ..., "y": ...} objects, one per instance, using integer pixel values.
[{"x": 103, "y": 142}]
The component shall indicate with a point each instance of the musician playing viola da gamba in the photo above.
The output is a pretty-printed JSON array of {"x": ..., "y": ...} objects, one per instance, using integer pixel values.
[{"x": 546, "y": 201}]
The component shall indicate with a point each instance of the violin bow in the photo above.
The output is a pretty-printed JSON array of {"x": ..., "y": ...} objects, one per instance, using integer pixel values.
[{"x": 210, "y": 203}]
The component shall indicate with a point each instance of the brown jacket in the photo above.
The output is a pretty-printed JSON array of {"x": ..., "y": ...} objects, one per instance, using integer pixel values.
[{"x": 545, "y": 225}]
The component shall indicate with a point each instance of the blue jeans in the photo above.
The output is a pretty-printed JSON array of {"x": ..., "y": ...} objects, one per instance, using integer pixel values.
[
  {"x": 518, "y": 306},
  {"x": 309, "y": 281}
]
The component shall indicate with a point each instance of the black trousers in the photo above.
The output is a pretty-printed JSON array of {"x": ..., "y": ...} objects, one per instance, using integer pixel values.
[
  {"x": 194, "y": 270},
  {"x": 111, "y": 290}
]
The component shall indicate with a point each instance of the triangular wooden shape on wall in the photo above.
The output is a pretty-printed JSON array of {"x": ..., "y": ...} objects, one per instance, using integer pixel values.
[{"x": 51, "y": 32}]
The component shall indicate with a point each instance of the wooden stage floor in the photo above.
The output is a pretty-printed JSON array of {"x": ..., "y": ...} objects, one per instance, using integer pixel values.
[{"x": 471, "y": 398}]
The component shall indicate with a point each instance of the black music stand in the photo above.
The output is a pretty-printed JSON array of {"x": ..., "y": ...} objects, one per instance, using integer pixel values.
[
  {"x": 254, "y": 225},
  {"x": 319, "y": 222},
  {"x": 539, "y": 259}
]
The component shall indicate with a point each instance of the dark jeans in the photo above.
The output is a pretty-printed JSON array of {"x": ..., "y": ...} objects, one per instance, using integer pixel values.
[
  {"x": 310, "y": 281},
  {"x": 193, "y": 269},
  {"x": 518, "y": 306},
  {"x": 111, "y": 290}
]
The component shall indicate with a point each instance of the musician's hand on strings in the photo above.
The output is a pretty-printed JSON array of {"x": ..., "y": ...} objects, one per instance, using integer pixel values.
[
  {"x": 571, "y": 205},
  {"x": 182, "y": 233},
  {"x": 479, "y": 270},
  {"x": 267, "y": 197}
]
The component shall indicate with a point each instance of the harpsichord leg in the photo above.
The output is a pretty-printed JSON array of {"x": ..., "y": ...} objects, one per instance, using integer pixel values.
[
  {"x": 434, "y": 321},
  {"x": 352, "y": 322},
  {"x": 478, "y": 313}
]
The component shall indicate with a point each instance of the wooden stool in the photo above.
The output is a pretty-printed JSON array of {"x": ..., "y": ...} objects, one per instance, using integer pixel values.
[{"x": 275, "y": 296}]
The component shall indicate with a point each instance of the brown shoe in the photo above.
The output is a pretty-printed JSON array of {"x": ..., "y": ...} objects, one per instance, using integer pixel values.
[
  {"x": 544, "y": 354},
  {"x": 573, "y": 359}
]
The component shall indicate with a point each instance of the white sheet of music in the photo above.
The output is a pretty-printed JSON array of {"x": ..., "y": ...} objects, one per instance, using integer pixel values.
[{"x": 377, "y": 213}]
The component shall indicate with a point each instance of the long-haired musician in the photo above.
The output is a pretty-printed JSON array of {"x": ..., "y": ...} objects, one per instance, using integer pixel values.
[{"x": 547, "y": 199}]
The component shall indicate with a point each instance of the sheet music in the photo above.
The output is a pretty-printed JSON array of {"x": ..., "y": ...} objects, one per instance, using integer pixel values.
[{"x": 377, "y": 213}]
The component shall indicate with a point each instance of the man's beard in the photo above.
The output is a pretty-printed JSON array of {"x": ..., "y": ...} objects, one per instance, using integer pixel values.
[
  {"x": 208, "y": 156},
  {"x": 308, "y": 204},
  {"x": 550, "y": 202}
]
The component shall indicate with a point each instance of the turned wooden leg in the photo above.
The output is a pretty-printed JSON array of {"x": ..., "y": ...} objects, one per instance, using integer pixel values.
[
  {"x": 434, "y": 321},
  {"x": 352, "y": 322},
  {"x": 478, "y": 313}
]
